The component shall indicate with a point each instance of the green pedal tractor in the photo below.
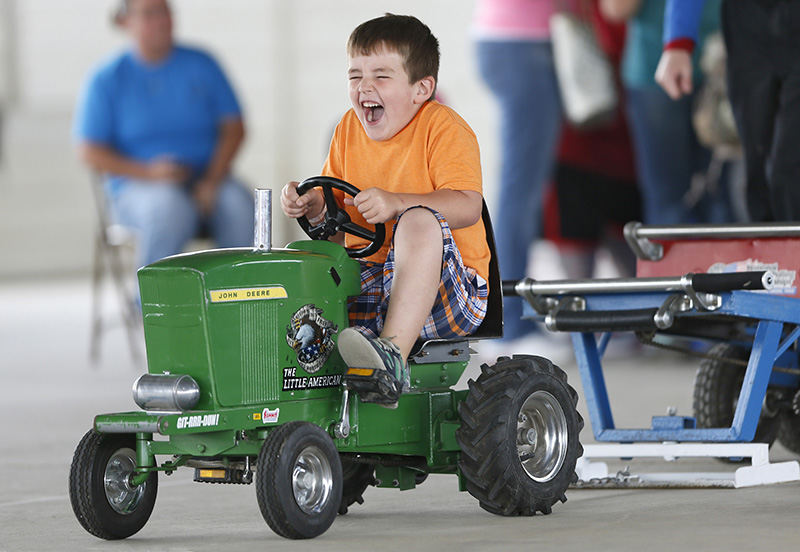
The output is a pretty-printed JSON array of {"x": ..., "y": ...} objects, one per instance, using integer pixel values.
[{"x": 245, "y": 385}]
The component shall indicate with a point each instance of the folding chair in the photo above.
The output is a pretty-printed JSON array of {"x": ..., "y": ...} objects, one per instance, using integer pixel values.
[{"x": 111, "y": 241}]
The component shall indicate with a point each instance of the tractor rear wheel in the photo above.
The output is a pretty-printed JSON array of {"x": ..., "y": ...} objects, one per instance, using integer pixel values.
[
  {"x": 356, "y": 477},
  {"x": 519, "y": 436},
  {"x": 717, "y": 385},
  {"x": 102, "y": 497},
  {"x": 299, "y": 480}
]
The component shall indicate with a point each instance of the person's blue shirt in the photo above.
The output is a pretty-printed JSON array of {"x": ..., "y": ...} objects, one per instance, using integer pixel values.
[
  {"x": 169, "y": 109},
  {"x": 682, "y": 19}
]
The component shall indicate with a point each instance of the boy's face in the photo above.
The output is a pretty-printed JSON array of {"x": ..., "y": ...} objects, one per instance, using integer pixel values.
[{"x": 383, "y": 99}]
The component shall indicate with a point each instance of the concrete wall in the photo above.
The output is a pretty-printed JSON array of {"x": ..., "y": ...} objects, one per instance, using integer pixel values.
[{"x": 285, "y": 58}]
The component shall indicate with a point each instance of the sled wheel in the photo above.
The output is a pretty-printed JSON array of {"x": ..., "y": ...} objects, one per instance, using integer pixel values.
[
  {"x": 789, "y": 431},
  {"x": 103, "y": 499},
  {"x": 299, "y": 480},
  {"x": 717, "y": 385},
  {"x": 519, "y": 436},
  {"x": 356, "y": 477}
]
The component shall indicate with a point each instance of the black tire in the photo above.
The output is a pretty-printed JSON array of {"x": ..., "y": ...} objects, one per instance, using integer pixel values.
[
  {"x": 789, "y": 431},
  {"x": 717, "y": 385},
  {"x": 491, "y": 436},
  {"x": 116, "y": 511},
  {"x": 288, "y": 450},
  {"x": 356, "y": 477}
]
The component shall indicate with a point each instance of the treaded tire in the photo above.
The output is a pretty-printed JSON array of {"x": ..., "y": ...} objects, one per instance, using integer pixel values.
[
  {"x": 87, "y": 491},
  {"x": 789, "y": 431},
  {"x": 356, "y": 477},
  {"x": 277, "y": 462},
  {"x": 717, "y": 385},
  {"x": 490, "y": 461}
]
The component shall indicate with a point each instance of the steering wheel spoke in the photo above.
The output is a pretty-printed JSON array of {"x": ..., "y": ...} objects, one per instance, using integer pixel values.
[
  {"x": 336, "y": 218},
  {"x": 356, "y": 230},
  {"x": 330, "y": 199}
]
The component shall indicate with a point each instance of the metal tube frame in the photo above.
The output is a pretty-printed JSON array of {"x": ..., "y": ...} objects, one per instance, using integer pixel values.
[
  {"x": 638, "y": 236},
  {"x": 771, "y": 314}
]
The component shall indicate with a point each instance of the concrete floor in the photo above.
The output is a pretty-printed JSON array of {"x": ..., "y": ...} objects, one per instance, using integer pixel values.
[{"x": 50, "y": 393}]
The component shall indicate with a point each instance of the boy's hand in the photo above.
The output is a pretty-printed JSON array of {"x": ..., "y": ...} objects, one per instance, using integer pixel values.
[
  {"x": 311, "y": 204},
  {"x": 376, "y": 205}
]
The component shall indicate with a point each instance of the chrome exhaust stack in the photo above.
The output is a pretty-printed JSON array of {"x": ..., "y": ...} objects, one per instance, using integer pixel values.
[{"x": 262, "y": 234}]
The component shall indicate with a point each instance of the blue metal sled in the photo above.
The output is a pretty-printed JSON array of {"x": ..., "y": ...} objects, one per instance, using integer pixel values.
[{"x": 729, "y": 307}]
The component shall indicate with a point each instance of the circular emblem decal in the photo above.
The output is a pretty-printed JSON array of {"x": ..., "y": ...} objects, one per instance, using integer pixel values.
[{"x": 309, "y": 334}]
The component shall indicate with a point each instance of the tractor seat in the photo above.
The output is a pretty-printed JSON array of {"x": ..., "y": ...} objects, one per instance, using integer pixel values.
[{"x": 457, "y": 348}]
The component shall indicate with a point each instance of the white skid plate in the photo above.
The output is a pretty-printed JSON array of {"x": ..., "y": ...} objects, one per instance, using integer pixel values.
[{"x": 760, "y": 472}]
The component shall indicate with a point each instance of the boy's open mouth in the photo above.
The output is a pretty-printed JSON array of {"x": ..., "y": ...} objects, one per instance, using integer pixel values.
[{"x": 373, "y": 111}]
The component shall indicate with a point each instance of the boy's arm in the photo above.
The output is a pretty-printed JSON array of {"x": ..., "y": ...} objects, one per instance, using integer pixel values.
[{"x": 461, "y": 208}]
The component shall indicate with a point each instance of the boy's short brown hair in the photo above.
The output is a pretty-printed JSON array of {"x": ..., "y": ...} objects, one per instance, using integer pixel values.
[{"x": 407, "y": 35}]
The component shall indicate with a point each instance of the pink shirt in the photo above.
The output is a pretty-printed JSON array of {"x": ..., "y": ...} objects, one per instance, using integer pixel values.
[{"x": 516, "y": 19}]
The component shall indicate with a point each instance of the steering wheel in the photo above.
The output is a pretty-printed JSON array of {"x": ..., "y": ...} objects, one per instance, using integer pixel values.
[{"x": 336, "y": 218}]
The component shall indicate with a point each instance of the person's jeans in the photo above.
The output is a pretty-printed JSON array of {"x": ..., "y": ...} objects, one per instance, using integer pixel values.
[
  {"x": 522, "y": 78},
  {"x": 165, "y": 217},
  {"x": 667, "y": 155}
]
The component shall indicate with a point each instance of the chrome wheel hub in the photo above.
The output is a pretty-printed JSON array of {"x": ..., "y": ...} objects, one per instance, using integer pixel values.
[
  {"x": 312, "y": 480},
  {"x": 542, "y": 436},
  {"x": 121, "y": 495}
]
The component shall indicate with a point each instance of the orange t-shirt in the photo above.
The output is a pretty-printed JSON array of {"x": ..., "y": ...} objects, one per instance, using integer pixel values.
[{"x": 437, "y": 150}]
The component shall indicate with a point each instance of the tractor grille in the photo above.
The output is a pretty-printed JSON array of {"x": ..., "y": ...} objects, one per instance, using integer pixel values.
[{"x": 261, "y": 373}]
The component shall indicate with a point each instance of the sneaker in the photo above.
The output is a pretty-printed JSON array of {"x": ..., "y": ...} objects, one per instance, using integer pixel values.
[{"x": 376, "y": 369}]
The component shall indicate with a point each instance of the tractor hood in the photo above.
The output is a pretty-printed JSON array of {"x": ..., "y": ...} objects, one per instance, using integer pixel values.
[{"x": 231, "y": 318}]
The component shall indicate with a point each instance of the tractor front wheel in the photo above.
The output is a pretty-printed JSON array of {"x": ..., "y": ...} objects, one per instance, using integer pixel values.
[
  {"x": 103, "y": 499},
  {"x": 519, "y": 436},
  {"x": 299, "y": 480}
]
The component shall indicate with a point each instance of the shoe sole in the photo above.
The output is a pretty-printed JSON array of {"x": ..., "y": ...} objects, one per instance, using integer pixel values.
[{"x": 357, "y": 352}]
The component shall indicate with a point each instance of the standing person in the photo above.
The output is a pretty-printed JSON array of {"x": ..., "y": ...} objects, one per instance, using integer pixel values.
[
  {"x": 594, "y": 190},
  {"x": 515, "y": 59},
  {"x": 163, "y": 124},
  {"x": 763, "y": 76},
  {"x": 668, "y": 153},
  {"x": 417, "y": 165}
]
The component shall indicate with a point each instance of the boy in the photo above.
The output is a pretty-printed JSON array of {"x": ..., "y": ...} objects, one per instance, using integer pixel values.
[{"x": 417, "y": 165}]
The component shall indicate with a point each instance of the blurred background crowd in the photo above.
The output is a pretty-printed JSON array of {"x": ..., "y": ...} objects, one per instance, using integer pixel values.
[{"x": 72, "y": 75}]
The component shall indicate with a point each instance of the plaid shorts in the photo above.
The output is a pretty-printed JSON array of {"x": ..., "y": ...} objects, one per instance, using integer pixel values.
[{"x": 460, "y": 304}]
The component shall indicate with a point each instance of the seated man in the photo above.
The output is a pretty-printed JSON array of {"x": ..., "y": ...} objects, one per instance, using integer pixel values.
[
  {"x": 163, "y": 123},
  {"x": 418, "y": 166}
]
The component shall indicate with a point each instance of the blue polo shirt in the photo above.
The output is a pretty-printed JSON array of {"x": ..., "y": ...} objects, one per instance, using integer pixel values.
[{"x": 144, "y": 111}]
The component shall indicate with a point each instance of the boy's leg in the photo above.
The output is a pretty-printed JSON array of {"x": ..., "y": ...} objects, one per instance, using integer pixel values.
[
  {"x": 379, "y": 367},
  {"x": 418, "y": 250},
  {"x": 456, "y": 306}
]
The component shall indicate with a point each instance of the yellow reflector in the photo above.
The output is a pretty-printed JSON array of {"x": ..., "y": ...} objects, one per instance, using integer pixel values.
[
  {"x": 212, "y": 474},
  {"x": 360, "y": 371}
]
